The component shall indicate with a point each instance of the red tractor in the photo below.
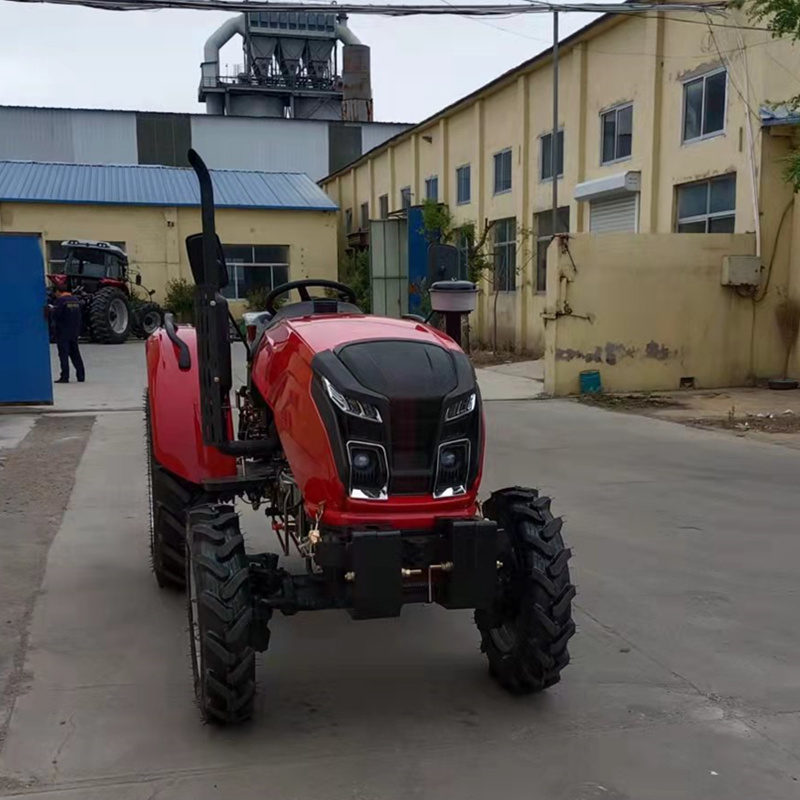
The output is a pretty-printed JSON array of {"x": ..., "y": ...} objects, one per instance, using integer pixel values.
[
  {"x": 98, "y": 274},
  {"x": 362, "y": 439}
]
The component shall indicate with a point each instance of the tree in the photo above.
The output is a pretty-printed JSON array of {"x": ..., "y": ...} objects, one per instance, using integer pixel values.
[
  {"x": 439, "y": 226},
  {"x": 782, "y": 17}
]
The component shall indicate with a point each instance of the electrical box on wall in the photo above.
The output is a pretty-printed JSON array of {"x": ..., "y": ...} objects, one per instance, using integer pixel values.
[{"x": 741, "y": 270}]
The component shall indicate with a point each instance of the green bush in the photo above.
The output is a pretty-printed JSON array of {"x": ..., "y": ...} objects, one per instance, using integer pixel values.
[
  {"x": 257, "y": 297},
  {"x": 179, "y": 299},
  {"x": 354, "y": 272}
]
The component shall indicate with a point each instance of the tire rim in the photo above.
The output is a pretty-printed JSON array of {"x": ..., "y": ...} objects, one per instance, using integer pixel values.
[
  {"x": 151, "y": 321},
  {"x": 118, "y": 315},
  {"x": 504, "y": 636}
]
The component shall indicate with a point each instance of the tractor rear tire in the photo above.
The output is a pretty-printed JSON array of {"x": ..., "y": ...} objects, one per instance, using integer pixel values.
[
  {"x": 220, "y": 609},
  {"x": 170, "y": 500},
  {"x": 525, "y": 633},
  {"x": 147, "y": 318},
  {"x": 110, "y": 316}
]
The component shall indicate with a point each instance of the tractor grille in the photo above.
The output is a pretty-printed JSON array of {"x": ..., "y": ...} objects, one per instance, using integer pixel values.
[{"x": 413, "y": 435}]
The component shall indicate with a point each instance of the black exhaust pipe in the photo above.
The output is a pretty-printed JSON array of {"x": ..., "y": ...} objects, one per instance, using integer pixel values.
[{"x": 211, "y": 319}]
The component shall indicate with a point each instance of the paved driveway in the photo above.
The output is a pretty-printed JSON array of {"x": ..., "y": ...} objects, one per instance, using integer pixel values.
[{"x": 685, "y": 681}]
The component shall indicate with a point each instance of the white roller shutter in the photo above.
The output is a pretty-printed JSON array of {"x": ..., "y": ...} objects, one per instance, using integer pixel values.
[{"x": 614, "y": 214}]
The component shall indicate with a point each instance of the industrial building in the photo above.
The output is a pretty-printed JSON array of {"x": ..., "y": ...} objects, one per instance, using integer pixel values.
[
  {"x": 292, "y": 105},
  {"x": 84, "y": 136},
  {"x": 665, "y": 128},
  {"x": 290, "y": 68},
  {"x": 274, "y": 226}
]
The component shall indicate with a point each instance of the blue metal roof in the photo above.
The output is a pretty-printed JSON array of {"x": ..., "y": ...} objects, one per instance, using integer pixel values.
[
  {"x": 779, "y": 115},
  {"x": 136, "y": 185}
]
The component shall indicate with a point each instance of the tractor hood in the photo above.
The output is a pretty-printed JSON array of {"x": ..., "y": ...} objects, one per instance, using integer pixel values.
[{"x": 322, "y": 333}]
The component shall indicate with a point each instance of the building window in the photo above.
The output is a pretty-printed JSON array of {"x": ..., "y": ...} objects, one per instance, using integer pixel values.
[
  {"x": 405, "y": 198},
  {"x": 432, "y": 187},
  {"x": 383, "y": 206},
  {"x": 364, "y": 216},
  {"x": 56, "y": 255},
  {"x": 704, "y": 105},
  {"x": 255, "y": 268},
  {"x": 617, "y": 133},
  {"x": 707, "y": 206},
  {"x": 546, "y": 158},
  {"x": 502, "y": 172},
  {"x": 463, "y": 185},
  {"x": 544, "y": 235},
  {"x": 505, "y": 255},
  {"x": 348, "y": 220},
  {"x": 464, "y": 243}
]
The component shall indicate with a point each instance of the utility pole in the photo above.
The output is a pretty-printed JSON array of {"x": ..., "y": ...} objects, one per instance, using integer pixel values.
[{"x": 554, "y": 143}]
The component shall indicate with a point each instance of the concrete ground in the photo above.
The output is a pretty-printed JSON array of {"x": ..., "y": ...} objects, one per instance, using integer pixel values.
[
  {"x": 685, "y": 681},
  {"x": 757, "y": 413}
]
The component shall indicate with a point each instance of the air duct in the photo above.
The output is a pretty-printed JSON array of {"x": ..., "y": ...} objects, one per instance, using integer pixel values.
[{"x": 209, "y": 69}]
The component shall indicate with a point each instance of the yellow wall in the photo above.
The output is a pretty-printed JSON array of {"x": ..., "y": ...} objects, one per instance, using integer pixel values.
[
  {"x": 616, "y": 313},
  {"x": 622, "y": 59},
  {"x": 154, "y": 237}
]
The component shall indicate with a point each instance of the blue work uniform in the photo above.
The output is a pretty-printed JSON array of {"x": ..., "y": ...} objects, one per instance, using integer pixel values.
[{"x": 66, "y": 314}]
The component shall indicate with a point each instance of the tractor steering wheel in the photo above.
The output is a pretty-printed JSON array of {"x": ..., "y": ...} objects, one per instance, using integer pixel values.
[{"x": 344, "y": 292}]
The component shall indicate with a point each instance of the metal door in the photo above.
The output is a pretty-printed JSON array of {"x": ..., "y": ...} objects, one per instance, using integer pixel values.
[
  {"x": 388, "y": 262},
  {"x": 25, "y": 375},
  {"x": 614, "y": 215}
]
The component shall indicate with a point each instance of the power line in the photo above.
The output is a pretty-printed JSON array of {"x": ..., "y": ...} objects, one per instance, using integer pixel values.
[
  {"x": 730, "y": 75},
  {"x": 387, "y": 10}
]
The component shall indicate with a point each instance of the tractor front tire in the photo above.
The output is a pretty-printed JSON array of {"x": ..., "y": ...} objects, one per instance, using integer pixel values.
[
  {"x": 110, "y": 316},
  {"x": 220, "y": 609},
  {"x": 170, "y": 500},
  {"x": 525, "y": 633},
  {"x": 147, "y": 318}
]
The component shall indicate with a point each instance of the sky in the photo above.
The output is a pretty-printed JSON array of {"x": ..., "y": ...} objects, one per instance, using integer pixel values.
[{"x": 64, "y": 56}]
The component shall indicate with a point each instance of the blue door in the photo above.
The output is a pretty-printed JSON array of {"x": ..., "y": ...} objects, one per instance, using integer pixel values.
[{"x": 25, "y": 375}]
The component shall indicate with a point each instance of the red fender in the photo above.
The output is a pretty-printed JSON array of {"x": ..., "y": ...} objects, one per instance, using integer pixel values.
[{"x": 174, "y": 396}]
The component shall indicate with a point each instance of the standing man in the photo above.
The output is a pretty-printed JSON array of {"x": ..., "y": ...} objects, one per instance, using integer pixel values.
[{"x": 66, "y": 315}]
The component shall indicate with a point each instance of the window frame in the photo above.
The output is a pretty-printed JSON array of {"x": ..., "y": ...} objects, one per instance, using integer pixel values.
[
  {"x": 540, "y": 239},
  {"x": 405, "y": 198},
  {"x": 459, "y": 170},
  {"x": 542, "y": 137},
  {"x": 615, "y": 111},
  {"x": 509, "y": 285},
  {"x": 709, "y": 215},
  {"x": 495, "y": 156},
  {"x": 348, "y": 221},
  {"x": 465, "y": 241},
  {"x": 704, "y": 77},
  {"x": 364, "y": 220},
  {"x": 383, "y": 206},
  {"x": 430, "y": 181},
  {"x": 234, "y": 281}
]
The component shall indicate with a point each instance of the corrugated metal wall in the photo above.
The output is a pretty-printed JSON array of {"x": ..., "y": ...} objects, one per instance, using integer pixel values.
[
  {"x": 373, "y": 135},
  {"x": 50, "y": 134},
  {"x": 271, "y": 145},
  {"x": 127, "y": 137}
]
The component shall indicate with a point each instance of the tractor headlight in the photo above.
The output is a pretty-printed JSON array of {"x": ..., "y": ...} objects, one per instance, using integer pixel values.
[
  {"x": 356, "y": 408},
  {"x": 369, "y": 471},
  {"x": 452, "y": 468},
  {"x": 460, "y": 408}
]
